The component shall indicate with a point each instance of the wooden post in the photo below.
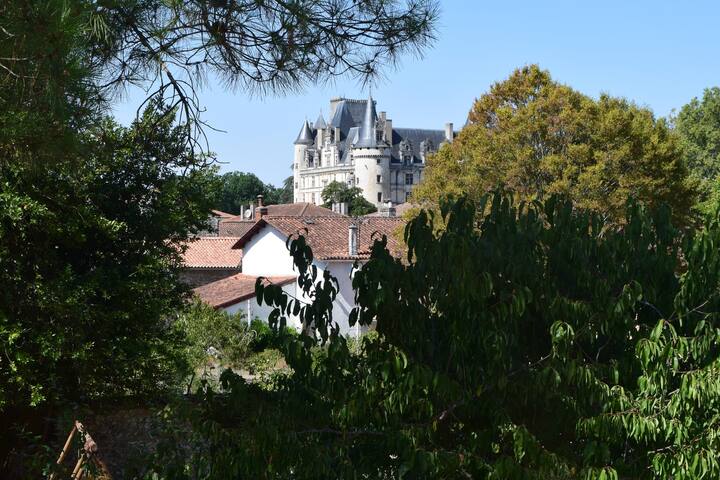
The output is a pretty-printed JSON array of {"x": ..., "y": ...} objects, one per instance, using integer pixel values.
[{"x": 65, "y": 449}]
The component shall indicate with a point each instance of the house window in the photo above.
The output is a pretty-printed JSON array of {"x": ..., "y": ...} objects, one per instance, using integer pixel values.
[
  {"x": 379, "y": 196},
  {"x": 379, "y": 178},
  {"x": 408, "y": 179}
]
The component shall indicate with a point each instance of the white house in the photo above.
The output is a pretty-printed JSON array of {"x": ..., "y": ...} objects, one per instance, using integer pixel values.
[{"x": 337, "y": 242}]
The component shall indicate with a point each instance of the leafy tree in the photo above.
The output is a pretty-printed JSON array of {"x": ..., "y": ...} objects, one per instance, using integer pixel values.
[
  {"x": 538, "y": 137},
  {"x": 88, "y": 285},
  {"x": 338, "y": 192},
  {"x": 527, "y": 341},
  {"x": 239, "y": 188},
  {"x": 284, "y": 194},
  {"x": 698, "y": 124},
  {"x": 207, "y": 328},
  {"x": 90, "y": 211}
]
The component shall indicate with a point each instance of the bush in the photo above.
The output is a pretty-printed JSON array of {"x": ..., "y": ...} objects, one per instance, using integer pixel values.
[
  {"x": 213, "y": 333},
  {"x": 265, "y": 337}
]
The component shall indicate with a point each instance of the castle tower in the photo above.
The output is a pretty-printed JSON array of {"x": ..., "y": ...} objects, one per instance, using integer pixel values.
[
  {"x": 372, "y": 159},
  {"x": 303, "y": 141}
]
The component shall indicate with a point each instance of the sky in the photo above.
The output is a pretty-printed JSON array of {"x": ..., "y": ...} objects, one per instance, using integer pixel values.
[{"x": 660, "y": 54}]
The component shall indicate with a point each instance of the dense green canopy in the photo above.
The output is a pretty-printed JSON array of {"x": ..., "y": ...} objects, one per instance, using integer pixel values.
[
  {"x": 338, "y": 192},
  {"x": 527, "y": 341},
  {"x": 538, "y": 137},
  {"x": 698, "y": 124}
]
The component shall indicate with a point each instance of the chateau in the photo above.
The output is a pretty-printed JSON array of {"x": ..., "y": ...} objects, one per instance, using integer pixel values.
[{"x": 360, "y": 148}]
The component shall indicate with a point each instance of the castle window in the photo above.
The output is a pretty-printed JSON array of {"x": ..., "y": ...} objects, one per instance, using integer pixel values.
[
  {"x": 408, "y": 179},
  {"x": 379, "y": 196},
  {"x": 378, "y": 161},
  {"x": 379, "y": 178}
]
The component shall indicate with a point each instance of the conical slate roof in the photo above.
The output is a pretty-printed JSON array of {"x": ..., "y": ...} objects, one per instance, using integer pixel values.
[
  {"x": 368, "y": 137},
  {"x": 305, "y": 137},
  {"x": 320, "y": 122}
]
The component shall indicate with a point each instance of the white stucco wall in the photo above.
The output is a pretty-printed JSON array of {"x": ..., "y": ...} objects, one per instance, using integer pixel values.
[
  {"x": 253, "y": 310},
  {"x": 266, "y": 255},
  {"x": 345, "y": 300}
]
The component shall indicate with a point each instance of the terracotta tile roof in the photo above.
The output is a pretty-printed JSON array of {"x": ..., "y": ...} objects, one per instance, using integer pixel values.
[
  {"x": 234, "y": 227},
  {"x": 212, "y": 252},
  {"x": 300, "y": 209},
  {"x": 221, "y": 214},
  {"x": 328, "y": 236},
  {"x": 237, "y": 226},
  {"x": 231, "y": 290}
]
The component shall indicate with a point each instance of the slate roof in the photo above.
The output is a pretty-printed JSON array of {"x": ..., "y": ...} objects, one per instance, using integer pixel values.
[
  {"x": 368, "y": 133},
  {"x": 305, "y": 136},
  {"x": 414, "y": 136},
  {"x": 212, "y": 252},
  {"x": 349, "y": 114},
  {"x": 236, "y": 288},
  {"x": 328, "y": 236}
]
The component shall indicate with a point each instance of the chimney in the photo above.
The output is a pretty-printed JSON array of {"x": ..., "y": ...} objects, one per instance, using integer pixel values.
[
  {"x": 387, "y": 210},
  {"x": 387, "y": 132},
  {"x": 341, "y": 208},
  {"x": 262, "y": 209},
  {"x": 352, "y": 240},
  {"x": 449, "y": 134},
  {"x": 337, "y": 134},
  {"x": 242, "y": 211}
]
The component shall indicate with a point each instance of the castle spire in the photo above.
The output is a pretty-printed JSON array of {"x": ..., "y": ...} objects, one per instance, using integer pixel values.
[
  {"x": 368, "y": 137},
  {"x": 320, "y": 122},
  {"x": 305, "y": 137}
]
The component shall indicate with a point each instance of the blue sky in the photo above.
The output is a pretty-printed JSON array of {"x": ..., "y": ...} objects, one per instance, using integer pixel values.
[{"x": 659, "y": 54}]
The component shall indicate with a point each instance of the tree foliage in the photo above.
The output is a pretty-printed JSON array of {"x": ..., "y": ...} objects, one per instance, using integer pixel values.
[
  {"x": 538, "y": 137},
  {"x": 338, "y": 192},
  {"x": 525, "y": 340},
  {"x": 238, "y": 189},
  {"x": 88, "y": 253},
  {"x": 171, "y": 48},
  {"x": 698, "y": 124}
]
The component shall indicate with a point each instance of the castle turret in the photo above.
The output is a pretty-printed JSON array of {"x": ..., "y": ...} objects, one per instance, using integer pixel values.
[
  {"x": 303, "y": 141},
  {"x": 372, "y": 159},
  {"x": 320, "y": 127}
]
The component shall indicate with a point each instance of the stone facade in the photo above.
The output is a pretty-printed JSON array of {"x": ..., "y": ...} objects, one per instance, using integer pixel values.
[{"x": 359, "y": 148}]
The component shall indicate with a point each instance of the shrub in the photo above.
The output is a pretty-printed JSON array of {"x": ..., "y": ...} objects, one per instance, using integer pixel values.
[{"x": 213, "y": 333}]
